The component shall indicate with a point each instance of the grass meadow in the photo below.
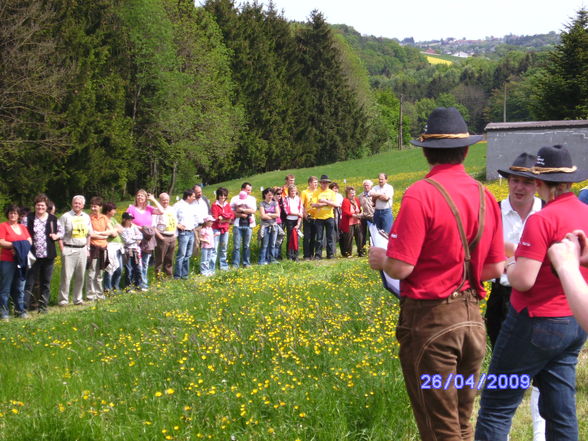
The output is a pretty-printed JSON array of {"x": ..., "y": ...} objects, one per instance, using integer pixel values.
[{"x": 291, "y": 351}]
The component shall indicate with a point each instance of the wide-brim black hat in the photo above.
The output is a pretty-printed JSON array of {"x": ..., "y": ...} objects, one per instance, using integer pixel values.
[
  {"x": 446, "y": 129},
  {"x": 324, "y": 178},
  {"x": 524, "y": 160},
  {"x": 554, "y": 164}
]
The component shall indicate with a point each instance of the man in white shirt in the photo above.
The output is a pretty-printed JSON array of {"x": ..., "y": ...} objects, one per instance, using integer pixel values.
[
  {"x": 187, "y": 221},
  {"x": 75, "y": 247},
  {"x": 382, "y": 195},
  {"x": 202, "y": 208},
  {"x": 516, "y": 209},
  {"x": 244, "y": 210}
]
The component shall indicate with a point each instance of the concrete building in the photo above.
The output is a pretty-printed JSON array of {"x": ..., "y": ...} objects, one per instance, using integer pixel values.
[{"x": 507, "y": 140}]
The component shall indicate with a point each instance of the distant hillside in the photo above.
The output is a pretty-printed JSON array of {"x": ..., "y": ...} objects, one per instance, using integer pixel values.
[
  {"x": 488, "y": 46},
  {"x": 385, "y": 55},
  {"x": 382, "y": 56}
]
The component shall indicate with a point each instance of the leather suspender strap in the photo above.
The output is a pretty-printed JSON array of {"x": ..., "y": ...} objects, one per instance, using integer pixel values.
[{"x": 468, "y": 273}]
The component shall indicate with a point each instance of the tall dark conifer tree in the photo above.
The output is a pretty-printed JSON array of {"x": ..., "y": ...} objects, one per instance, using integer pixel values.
[
  {"x": 562, "y": 91},
  {"x": 336, "y": 125}
]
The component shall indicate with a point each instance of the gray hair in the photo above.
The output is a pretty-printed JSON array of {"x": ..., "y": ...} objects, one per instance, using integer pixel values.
[
  {"x": 80, "y": 197},
  {"x": 367, "y": 181}
]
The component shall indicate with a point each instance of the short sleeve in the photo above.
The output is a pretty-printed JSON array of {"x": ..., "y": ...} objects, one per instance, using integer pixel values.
[
  {"x": 536, "y": 239},
  {"x": 408, "y": 232}
]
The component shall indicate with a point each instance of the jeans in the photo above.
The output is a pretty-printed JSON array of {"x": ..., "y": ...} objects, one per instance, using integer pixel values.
[
  {"x": 326, "y": 226},
  {"x": 185, "y": 248},
  {"x": 308, "y": 240},
  {"x": 241, "y": 236},
  {"x": 546, "y": 349},
  {"x": 134, "y": 273},
  {"x": 384, "y": 219},
  {"x": 145, "y": 258},
  {"x": 207, "y": 261},
  {"x": 221, "y": 243},
  {"x": 112, "y": 281},
  {"x": 11, "y": 286},
  {"x": 267, "y": 253},
  {"x": 43, "y": 269}
]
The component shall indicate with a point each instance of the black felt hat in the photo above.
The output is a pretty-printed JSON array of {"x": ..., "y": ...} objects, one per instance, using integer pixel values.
[
  {"x": 524, "y": 160},
  {"x": 446, "y": 129},
  {"x": 554, "y": 164},
  {"x": 324, "y": 178}
]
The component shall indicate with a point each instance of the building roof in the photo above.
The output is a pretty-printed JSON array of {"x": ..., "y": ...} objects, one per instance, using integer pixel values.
[{"x": 536, "y": 125}]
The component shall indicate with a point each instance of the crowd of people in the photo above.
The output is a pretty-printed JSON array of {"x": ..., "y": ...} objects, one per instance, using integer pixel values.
[{"x": 101, "y": 252}]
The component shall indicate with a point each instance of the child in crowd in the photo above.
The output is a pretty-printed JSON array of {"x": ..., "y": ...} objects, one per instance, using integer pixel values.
[
  {"x": 243, "y": 205},
  {"x": 208, "y": 255},
  {"x": 131, "y": 237}
]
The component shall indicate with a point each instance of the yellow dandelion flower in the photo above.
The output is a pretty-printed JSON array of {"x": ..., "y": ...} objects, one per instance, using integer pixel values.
[
  {"x": 169, "y": 391},
  {"x": 158, "y": 394}
]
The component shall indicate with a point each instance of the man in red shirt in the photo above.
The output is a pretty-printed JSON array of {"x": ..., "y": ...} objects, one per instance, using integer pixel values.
[{"x": 441, "y": 267}]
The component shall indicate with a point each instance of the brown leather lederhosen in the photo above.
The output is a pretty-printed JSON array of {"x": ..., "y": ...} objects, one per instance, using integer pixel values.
[{"x": 444, "y": 337}]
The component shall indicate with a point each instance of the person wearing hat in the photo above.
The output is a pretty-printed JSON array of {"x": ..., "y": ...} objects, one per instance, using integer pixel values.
[
  {"x": 446, "y": 239},
  {"x": 208, "y": 256},
  {"x": 540, "y": 337},
  {"x": 516, "y": 209},
  {"x": 323, "y": 201}
]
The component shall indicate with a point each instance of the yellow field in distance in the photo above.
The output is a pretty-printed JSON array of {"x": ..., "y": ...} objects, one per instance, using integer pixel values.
[{"x": 435, "y": 60}]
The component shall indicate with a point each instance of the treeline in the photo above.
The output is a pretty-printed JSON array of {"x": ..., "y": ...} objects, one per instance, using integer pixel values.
[
  {"x": 107, "y": 96},
  {"x": 513, "y": 85}
]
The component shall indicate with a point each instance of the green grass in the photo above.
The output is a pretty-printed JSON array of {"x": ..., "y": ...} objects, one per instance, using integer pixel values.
[
  {"x": 402, "y": 167},
  {"x": 287, "y": 351}
]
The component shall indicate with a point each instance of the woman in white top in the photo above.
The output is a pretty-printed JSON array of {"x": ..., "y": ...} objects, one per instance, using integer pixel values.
[{"x": 293, "y": 209}]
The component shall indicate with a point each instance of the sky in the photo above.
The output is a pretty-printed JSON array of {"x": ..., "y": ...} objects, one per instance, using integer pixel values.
[{"x": 436, "y": 19}]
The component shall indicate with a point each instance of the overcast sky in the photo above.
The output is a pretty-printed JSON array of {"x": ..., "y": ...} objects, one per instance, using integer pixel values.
[{"x": 435, "y": 19}]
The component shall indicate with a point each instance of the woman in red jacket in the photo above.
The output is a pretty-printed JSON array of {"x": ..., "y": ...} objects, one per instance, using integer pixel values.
[
  {"x": 12, "y": 280},
  {"x": 350, "y": 223},
  {"x": 223, "y": 216}
]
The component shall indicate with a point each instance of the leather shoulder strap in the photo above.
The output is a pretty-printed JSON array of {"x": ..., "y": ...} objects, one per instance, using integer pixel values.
[{"x": 468, "y": 247}]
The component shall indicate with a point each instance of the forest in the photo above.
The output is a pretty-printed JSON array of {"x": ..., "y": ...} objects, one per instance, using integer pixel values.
[{"x": 109, "y": 96}]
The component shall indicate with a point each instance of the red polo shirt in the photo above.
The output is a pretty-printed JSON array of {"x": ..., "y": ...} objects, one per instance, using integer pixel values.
[
  {"x": 562, "y": 215},
  {"x": 425, "y": 234}
]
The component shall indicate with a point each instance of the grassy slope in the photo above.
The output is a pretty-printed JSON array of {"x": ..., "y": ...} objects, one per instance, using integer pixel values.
[
  {"x": 403, "y": 167},
  {"x": 282, "y": 352}
]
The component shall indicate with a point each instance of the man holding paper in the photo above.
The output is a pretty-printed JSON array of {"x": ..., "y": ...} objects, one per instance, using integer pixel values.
[{"x": 446, "y": 240}]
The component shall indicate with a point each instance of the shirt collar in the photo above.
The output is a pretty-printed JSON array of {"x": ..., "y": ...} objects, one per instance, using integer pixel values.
[
  {"x": 507, "y": 207},
  {"x": 446, "y": 168},
  {"x": 562, "y": 197}
]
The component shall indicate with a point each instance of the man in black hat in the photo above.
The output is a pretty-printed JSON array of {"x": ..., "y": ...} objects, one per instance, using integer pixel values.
[
  {"x": 446, "y": 240},
  {"x": 323, "y": 201},
  {"x": 516, "y": 208},
  {"x": 539, "y": 339}
]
